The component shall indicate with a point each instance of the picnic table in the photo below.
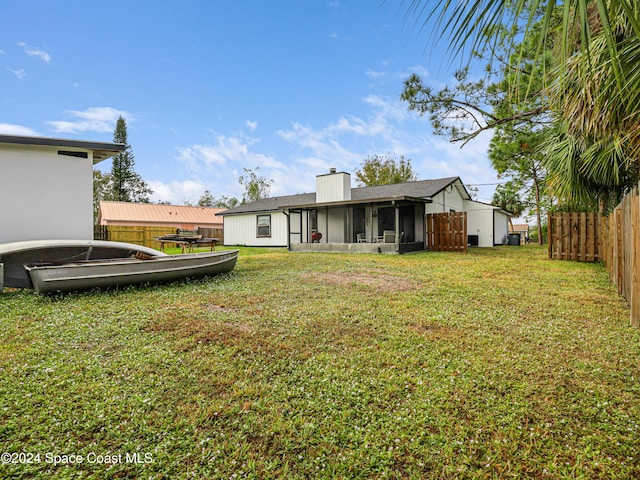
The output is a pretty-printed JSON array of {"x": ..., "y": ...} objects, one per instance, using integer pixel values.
[{"x": 188, "y": 243}]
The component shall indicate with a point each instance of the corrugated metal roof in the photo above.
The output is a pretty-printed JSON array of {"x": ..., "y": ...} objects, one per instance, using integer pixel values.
[{"x": 124, "y": 213}]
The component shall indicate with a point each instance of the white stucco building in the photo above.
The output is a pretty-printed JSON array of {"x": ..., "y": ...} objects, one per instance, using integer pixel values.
[{"x": 46, "y": 187}]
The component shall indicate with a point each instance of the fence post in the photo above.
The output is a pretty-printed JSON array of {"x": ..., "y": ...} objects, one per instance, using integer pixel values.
[
  {"x": 635, "y": 262},
  {"x": 549, "y": 234},
  {"x": 619, "y": 251},
  {"x": 465, "y": 236}
]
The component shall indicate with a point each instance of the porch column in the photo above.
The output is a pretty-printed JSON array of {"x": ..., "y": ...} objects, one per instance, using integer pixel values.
[
  {"x": 371, "y": 225},
  {"x": 326, "y": 226},
  {"x": 348, "y": 233},
  {"x": 288, "y": 229},
  {"x": 397, "y": 223}
]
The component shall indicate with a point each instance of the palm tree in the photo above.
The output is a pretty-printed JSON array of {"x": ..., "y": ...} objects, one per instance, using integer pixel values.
[
  {"x": 594, "y": 92},
  {"x": 593, "y": 152}
]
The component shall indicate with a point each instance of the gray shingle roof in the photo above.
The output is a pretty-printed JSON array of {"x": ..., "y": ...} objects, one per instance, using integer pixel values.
[{"x": 418, "y": 189}]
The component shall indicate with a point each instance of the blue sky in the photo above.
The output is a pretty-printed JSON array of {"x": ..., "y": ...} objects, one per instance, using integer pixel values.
[{"x": 211, "y": 87}]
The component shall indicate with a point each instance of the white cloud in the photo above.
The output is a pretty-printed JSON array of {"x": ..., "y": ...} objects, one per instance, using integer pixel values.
[
  {"x": 386, "y": 110},
  {"x": 357, "y": 126},
  {"x": 385, "y": 76},
  {"x": 177, "y": 192},
  {"x": 224, "y": 159},
  {"x": 323, "y": 145},
  {"x": 19, "y": 73},
  {"x": 252, "y": 125},
  {"x": 10, "y": 129},
  {"x": 220, "y": 163},
  {"x": 228, "y": 152},
  {"x": 195, "y": 156},
  {"x": 339, "y": 37},
  {"x": 35, "y": 52},
  {"x": 441, "y": 158},
  {"x": 378, "y": 133},
  {"x": 373, "y": 74},
  {"x": 389, "y": 129},
  {"x": 95, "y": 119},
  {"x": 417, "y": 69}
]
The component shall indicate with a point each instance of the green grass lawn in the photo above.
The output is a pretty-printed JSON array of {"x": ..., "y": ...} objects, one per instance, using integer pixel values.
[{"x": 497, "y": 364}]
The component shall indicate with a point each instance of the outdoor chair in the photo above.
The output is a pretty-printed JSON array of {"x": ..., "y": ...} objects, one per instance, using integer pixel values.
[
  {"x": 389, "y": 236},
  {"x": 361, "y": 238}
]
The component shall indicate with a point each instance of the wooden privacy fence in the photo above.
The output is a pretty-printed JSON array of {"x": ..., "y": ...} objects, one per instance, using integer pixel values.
[
  {"x": 211, "y": 233},
  {"x": 139, "y": 235},
  {"x": 100, "y": 232},
  {"x": 614, "y": 240},
  {"x": 142, "y": 235},
  {"x": 574, "y": 236},
  {"x": 446, "y": 231},
  {"x": 621, "y": 250}
]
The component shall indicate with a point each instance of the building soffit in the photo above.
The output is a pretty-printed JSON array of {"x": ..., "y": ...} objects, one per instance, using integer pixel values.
[{"x": 100, "y": 150}]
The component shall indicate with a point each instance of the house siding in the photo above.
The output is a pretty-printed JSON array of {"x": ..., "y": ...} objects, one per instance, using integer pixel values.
[
  {"x": 447, "y": 200},
  {"x": 45, "y": 195},
  {"x": 242, "y": 230},
  {"x": 488, "y": 222}
]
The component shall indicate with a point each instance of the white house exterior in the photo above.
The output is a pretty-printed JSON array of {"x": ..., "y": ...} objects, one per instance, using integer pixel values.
[
  {"x": 46, "y": 187},
  {"x": 243, "y": 229},
  {"x": 489, "y": 223},
  {"x": 385, "y": 219}
]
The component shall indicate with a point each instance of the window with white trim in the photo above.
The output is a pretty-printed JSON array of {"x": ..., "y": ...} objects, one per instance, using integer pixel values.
[{"x": 263, "y": 226}]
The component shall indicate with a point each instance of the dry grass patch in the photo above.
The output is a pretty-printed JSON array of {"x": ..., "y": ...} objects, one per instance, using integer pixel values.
[{"x": 378, "y": 281}]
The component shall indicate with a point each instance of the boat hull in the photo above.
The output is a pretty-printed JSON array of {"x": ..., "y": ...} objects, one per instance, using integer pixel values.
[
  {"x": 123, "y": 272},
  {"x": 14, "y": 256}
]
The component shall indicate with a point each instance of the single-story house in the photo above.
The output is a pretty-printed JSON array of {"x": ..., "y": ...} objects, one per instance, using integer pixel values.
[
  {"x": 181, "y": 217},
  {"x": 337, "y": 217},
  {"x": 46, "y": 187}
]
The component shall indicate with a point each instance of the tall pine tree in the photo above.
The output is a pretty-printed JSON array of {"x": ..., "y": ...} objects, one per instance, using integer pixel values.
[{"x": 126, "y": 184}]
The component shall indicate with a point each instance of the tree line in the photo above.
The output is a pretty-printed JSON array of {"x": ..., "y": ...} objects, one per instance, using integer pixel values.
[{"x": 559, "y": 94}]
